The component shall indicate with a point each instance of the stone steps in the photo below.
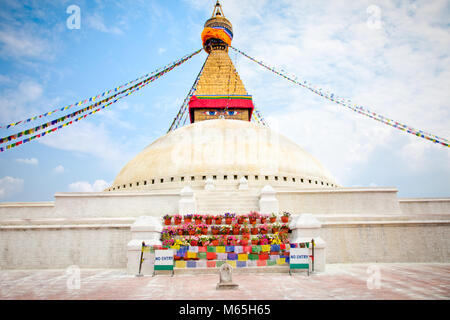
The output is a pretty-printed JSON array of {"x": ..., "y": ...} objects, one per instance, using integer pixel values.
[{"x": 252, "y": 270}]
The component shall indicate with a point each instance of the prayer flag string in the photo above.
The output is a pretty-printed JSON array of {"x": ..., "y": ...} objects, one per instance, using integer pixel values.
[
  {"x": 347, "y": 103},
  {"x": 92, "y": 99},
  {"x": 123, "y": 94}
]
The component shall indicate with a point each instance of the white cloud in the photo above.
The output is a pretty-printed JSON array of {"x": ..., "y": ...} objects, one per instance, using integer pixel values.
[
  {"x": 58, "y": 169},
  {"x": 85, "y": 186},
  {"x": 161, "y": 50},
  {"x": 10, "y": 186},
  {"x": 31, "y": 161},
  {"x": 96, "y": 22},
  {"x": 20, "y": 43}
]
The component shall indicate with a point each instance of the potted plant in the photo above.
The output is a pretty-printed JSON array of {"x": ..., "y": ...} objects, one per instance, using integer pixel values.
[
  {"x": 218, "y": 219},
  {"x": 273, "y": 217},
  {"x": 245, "y": 230},
  {"x": 177, "y": 219},
  {"x": 236, "y": 228},
  {"x": 190, "y": 228},
  {"x": 215, "y": 230},
  {"x": 193, "y": 241},
  {"x": 167, "y": 219},
  {"x": 254, "y": 229},
  {"x": 255, "y": 240},
  {"x": 187, "y": 218},
  {"x": 263, "y": 239},
  {"x": 198, "y": 230},
  {"x": 209, "y": 219},
  {"x": 214, "y": 240},
  {"x": 263, "y": 229},
  {"x": 241, "y": 218},
  {"x": 276, "y": 227},
  {"x": 243, "y": 242},
  {"x": 180, "y": 230},
  {"x": 264, "y": 218},
  {"x": 284, "y": 228},
  {"x": 229, "y": 217},
  {"x": 204, "y": 228},
  {"x": 231, "y": 240},
  {"x": 225, "y": 229},
  {"x": 198, "y": 218},
  {"x": 253, "y": 216},
  {"x": 285, "y": 217},
  {"x": 222, "y": 240},
  {"x": 168, "y": 242}
]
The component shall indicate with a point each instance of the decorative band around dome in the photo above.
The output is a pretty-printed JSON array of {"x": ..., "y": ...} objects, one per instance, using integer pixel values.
[{"x": 217, "y": 32}]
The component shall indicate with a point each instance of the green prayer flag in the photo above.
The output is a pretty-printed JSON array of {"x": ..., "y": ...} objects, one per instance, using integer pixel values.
[
  {"x": 271, "y": 262},
  {"x": 201, "y": 255},
  {"x": 252, "y": 256},
  {"x": 256, "y": 249},
  {"x": 210, "y": 249}
]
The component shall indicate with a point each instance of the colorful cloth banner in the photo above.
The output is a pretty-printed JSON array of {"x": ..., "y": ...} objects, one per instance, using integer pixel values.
[
  {"x": 232, "y": 256},
  {"x": 238, "y": 249},
  {"x": 210, "y": 264},
  {"x": 222, "y": 256},
  {"x": 220, "y": 249},
  {"x": 125, "y": 93},
  {"x": 180, "y": 264},
  {"x": 211, "y": 256},
  {"x": 229, "y": 248},
  {"x": 104, "y": 94},
  {"x": 232, "y": 263},
  {"x": 211, "y": 249},
  {"x": 242, "y": 257},
  {"x": 241, "y": 264},
  {"x": 191, "y": 264},
  {"x": 359, "y": 109},
  {"x": 265, "y": 248}
]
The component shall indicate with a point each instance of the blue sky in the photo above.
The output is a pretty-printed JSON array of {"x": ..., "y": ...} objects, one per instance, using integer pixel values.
[{"x": 389, "y": 56}]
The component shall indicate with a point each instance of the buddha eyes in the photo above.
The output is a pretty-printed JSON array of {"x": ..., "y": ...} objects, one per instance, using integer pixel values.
[{"x": 215, "y": 113}]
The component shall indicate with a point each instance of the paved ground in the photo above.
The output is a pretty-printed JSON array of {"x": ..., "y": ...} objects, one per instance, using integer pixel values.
[{"x": 352, "y": 281}]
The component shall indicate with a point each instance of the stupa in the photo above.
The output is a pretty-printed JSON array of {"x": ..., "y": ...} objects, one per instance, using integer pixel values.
[{"x": 222, "y": 143}]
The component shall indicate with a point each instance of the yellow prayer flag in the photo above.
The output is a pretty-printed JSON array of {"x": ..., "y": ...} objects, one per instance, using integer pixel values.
[
  {"x": 175, "y": 247},
  {"x": 243, "y": 257},
  {"x": 281, "y": 261},
  {"x": 220, "y": 249},
  {"x": 265, "y": 248},
  {"x": 191, "y": 255},
  {"x": 232, "y": 263},
  {"x": 180, "y": 264}
]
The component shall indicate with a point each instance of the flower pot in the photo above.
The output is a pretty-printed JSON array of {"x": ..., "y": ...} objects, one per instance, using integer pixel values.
[
  {"x": 205, "y": 231},
  {"x": 168, "y": 222},
  {"x": 273, "y": 219},
  {"x": 284, "y": 230},
  {"x": 180, "y": 232},
  {"x": 215, "y": 231},
  {"x": 246, "y": 235},
  {"x": 244, "y": 242},
  {"x": 187, "y": 220},
  {"x": 255, "y": 242},
  {"x": 176, "y": 258},
  {"x": 236, "y": 231},
  {"x": 193, "y": 243},
  {"x": 263, "y": 231},
  {"x": 263, "y": 220},
  {"x": 275, "y": 230},
  {"x": 228, "y": 220},
  {"x": 218, "y": 221},
  {"x": 208, "y": 221},
  {"x": 215, "y": 242},
  {"x": 191, "y": 232},
  {"x": 252, "y": 220},
  {"x": 177, "y": 221},
  {"x": 254, "y": 231},
  {"x": 284, "y": 219}
]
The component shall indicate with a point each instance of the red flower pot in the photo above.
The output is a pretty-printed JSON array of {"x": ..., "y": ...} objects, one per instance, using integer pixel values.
[
  {"x": 263, "y": 231},
  {"x": 252, "y": 220},
  {"x": 215, "y": 242},
  {"x": 246, "y": 235},
  {"x": 236, "y": 231},
  {"x": 254, "y": 231},
  {"x": 284, "y": 219},
  {"x": 180, "y": 232},
  {"x": 208, "y": 221},
  {"x": 187, "y": 220},
  {"x": 215, "y": 231},
  {"x": 191, "y": 232},
  {"x": 244, "y": 242},
  {"x": 218, "y": 221},
  {"x": 273, "y": 219},
  {"x": 263, "y": 220},
  {"x": 275, "y": 230},
  {"x": 228, "y": 220},
  {"x": 177, "y": 221},
  {"x": 168, "y": 222},
  {"x": 193, "y": 243},
  {"x": 198, "y": 221},
  {"x": 255, "y": 242},
  {"x": 205, "y": 231}
]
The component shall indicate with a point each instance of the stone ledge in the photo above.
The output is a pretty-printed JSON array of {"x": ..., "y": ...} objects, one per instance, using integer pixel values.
[
  {"x": 338, "y": 224},
  {"x": 60, "y": 227},
  {"x": 275, "y": 269}
]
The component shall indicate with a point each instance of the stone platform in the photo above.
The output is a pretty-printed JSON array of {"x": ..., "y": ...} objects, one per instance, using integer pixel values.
[{"x": 339, "y": 281}]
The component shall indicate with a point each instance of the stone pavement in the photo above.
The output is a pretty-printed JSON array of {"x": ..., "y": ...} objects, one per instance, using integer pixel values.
[{"x": 339, "y": 281}]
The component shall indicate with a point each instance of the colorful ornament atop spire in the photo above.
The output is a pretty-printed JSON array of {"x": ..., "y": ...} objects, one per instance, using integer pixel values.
[{"x": 218, "y": 31}]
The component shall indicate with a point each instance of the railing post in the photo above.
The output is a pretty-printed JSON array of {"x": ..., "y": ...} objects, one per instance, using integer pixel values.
[{"x": 140, "y": 262}]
